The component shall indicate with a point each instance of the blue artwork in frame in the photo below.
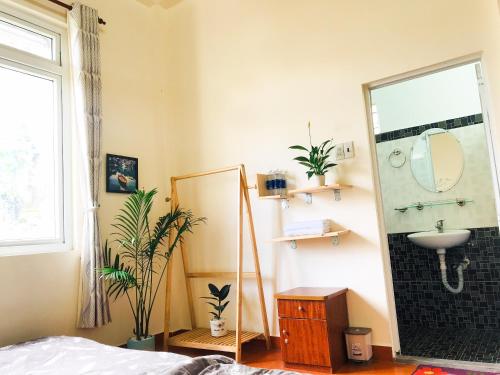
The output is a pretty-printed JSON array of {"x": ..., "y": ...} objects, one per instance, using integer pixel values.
[{"x": 122, "y": 174}]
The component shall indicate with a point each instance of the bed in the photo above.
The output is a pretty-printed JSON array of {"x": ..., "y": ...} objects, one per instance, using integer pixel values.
[{"x": 75, "y": 355}]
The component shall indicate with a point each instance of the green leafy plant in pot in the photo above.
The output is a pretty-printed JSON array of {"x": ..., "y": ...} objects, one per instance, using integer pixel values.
[
  {"x": 316, "y": 160},
  {"x": 140, "y": 262},
  {"x": 218, "y": 323}
]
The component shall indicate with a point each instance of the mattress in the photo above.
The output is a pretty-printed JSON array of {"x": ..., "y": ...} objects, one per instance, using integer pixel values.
[{"x": 63, "y": 355}]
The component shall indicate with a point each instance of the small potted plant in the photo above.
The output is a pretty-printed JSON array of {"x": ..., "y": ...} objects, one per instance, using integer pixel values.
[
  {"x": 317, "y": 158},
  {"x": 217, "y": 323}
]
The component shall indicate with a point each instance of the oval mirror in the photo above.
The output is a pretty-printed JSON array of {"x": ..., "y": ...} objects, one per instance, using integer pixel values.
[{"x": 437, "y": 160}]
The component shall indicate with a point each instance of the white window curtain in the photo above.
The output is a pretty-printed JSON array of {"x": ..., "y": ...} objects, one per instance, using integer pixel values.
[{"x": 86, "y": 79}]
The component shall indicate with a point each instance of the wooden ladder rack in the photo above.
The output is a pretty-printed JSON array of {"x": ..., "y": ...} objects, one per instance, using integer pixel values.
[{"x": 200, "y": 338}]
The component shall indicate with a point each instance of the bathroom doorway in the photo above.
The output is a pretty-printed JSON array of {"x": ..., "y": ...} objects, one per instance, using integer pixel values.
[{"x": 438, "y": 190}]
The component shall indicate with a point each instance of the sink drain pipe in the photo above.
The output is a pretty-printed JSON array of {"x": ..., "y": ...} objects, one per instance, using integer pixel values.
[{"x": 444, "y": 277}]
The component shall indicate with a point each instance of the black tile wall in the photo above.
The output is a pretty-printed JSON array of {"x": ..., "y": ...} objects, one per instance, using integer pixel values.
[
  {"x": 416, "y": 130},
  {"x": 422, "y": 299}
]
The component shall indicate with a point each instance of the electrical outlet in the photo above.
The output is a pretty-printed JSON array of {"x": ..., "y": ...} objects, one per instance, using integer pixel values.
[
  {"x": 339, "y": 152},
  {"x": 348, "y": 150}
]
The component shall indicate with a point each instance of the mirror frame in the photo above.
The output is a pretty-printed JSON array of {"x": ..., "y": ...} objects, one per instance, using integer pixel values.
[{"x": 421, "y": 141}]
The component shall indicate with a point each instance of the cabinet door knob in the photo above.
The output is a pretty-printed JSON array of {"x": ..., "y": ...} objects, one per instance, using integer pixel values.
[
  {"x": 286, "y": 341},
  {"x": 284, "y": 332},
  {"x": 301, "y": 308}
]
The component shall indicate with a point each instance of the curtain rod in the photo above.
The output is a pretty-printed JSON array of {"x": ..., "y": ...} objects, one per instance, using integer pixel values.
[{"x": 69, "y": 7}]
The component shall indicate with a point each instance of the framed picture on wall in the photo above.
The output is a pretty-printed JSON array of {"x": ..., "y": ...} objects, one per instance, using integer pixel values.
[{"x": 122, "y": 174}]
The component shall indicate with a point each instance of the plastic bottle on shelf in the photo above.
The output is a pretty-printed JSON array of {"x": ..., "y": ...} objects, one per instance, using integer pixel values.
[
  {"x": 269, "y": 180},
  {"x": 275, "y": 182},
  {"x": 281, "y": 183},
  {"x": 271, "y": 183}
]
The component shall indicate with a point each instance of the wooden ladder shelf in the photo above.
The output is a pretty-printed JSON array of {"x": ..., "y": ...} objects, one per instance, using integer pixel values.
[{"x": 200, "y": 338}]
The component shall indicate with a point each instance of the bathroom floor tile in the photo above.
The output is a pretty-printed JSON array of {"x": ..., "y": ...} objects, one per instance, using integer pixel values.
[{"x": 475, "y": 345}]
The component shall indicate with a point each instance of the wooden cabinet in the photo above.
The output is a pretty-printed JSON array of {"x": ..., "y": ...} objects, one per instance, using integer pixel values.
[{"x": 312, "y": 323}]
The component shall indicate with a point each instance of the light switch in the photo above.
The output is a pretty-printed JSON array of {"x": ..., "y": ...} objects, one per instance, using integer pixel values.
[
  {"x": 348, "y": 150},
  {"x": 339, "y": 152}
]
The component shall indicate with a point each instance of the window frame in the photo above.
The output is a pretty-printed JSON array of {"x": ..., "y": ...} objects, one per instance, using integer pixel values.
[
  {"x": 57, "y": 70},
  {"x": 37, "y": 29}
]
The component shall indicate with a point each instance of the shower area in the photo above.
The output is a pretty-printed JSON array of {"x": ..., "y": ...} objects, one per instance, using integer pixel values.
[{"x": 438, "y": 187}]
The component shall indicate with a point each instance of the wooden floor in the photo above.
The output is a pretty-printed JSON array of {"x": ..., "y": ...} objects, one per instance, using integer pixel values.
[{"x": 256, "y": 355}]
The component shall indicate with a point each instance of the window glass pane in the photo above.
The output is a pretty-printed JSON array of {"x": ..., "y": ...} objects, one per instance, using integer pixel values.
[
  {"x": 26, "y": 40},
  {"x": 29, "y": 158}
]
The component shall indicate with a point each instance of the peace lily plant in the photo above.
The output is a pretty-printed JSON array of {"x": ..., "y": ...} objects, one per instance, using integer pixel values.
[
  {"x": 142, "y": 254},
  {"x": 316, "y": 159}
]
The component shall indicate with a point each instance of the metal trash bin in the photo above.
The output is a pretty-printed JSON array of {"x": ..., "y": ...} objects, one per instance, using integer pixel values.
[{"x": 359, "y": 343}]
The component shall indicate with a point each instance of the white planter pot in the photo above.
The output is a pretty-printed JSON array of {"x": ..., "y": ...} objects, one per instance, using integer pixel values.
[
  {"x": 218, "y": 327},
  {"x": 318, "y": 180}
]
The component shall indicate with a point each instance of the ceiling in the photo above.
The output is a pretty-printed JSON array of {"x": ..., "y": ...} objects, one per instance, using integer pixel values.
[{"x": 162, "y": 3}]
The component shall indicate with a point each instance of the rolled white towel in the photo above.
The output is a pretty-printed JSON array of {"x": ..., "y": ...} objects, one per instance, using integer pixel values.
[
  {"x": 305, "y": 232},
  {"x": 307, "y": 228}
]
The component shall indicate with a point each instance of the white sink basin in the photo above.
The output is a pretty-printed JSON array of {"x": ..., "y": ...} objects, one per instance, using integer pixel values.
[{"x": 435, "y": 240}]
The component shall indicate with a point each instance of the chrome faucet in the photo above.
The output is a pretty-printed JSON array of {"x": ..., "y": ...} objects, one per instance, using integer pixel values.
[{"x": 440, "y": 226}]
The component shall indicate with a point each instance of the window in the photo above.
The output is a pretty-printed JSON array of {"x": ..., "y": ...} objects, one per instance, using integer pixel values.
[
  {"x": 16, "y": 36},
  {"x": 34, "y": 137}
]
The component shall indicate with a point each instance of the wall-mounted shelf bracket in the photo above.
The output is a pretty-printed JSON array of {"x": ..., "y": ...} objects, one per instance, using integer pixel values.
[
  {"x": 284, "y": 203},
  {"x": 309, "y": 191},
  {"x": 292, "y": 240},
  {"x": 308, "y": 197},
  {"x": 336, "y": 194},
  {"x": 336, "y": 240}
]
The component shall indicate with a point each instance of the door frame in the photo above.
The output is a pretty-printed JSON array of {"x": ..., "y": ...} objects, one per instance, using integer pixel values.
[{"x": 485, "y": 103}]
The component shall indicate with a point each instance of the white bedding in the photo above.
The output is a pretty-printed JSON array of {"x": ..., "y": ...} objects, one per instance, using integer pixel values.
[
  {"x": 74, "y": 356},
  {"x": 78, "y": 356}
]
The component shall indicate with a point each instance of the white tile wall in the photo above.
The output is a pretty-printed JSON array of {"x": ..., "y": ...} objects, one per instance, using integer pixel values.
[{"x": 400, "y": 188}]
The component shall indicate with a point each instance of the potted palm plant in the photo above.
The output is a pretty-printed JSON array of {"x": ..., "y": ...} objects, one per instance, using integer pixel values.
[
  {"x": 316, "y": 160},
  {"x": 218, "y": 323},
  {"x": 140, "y": 262}
]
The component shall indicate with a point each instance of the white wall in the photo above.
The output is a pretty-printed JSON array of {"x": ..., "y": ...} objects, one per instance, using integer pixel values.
[
  {"x": 436, "y": 97},
  {"x": 39, "y": 293},
  {"x": 223, "y": 82},
  {"x": 399, "y": 187},
  {"x": 245, "y": 78}
]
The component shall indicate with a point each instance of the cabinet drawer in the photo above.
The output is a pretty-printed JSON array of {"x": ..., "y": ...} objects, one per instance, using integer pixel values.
[
  {"x": 301, "y": 309},
  {"x": 305, "y": 341}
]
